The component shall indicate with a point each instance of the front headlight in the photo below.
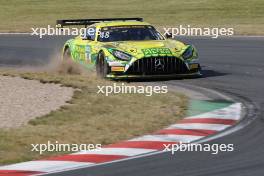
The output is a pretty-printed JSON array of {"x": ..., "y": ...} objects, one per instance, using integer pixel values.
[
  {"x": 188, "y": 53},
  {"x": 121, "y": 55}
]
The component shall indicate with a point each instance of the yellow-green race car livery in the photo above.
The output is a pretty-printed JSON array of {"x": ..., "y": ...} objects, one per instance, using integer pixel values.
[{"x": 129, "y": 48}]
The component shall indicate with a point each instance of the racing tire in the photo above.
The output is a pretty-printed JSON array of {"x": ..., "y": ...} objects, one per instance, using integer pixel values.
[
  {"x": 102, "y": 67},
  {"x": 67, "y": 55},
  {"x": 68, "y": 66}
]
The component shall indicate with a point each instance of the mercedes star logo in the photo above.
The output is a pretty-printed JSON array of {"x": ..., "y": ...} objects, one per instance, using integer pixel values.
[{"x": 159, "y": 64}]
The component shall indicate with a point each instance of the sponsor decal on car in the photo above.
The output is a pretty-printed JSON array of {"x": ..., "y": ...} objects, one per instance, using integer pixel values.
[
  {"x": 88, "y": 54},
  {"x": 156, "y": 52},
  {"x": 118, "y": 69}
]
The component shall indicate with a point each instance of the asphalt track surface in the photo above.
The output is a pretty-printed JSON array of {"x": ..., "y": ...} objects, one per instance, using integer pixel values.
[{"x": 233, "y": 66}]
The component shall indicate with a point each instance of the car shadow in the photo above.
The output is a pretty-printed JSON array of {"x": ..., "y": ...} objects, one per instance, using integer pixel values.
[
  {"x": 206, "y": 73},
  {"x": 212, "y": 73}
]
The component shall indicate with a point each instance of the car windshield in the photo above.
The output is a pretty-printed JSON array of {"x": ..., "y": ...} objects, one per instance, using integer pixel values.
[{"x": 129, "y": 33}]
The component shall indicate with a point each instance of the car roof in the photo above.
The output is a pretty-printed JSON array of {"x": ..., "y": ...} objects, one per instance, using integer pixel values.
[{"x": 118, "y": 23}]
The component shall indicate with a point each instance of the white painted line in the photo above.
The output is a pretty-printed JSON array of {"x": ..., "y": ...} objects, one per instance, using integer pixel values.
[
  {"x": 45, "y": 166},
  {"x": 167, "y": 138},
  {"x": 14, "y": 33},
  {"x": 199, "y": 126},
  {"x": 118, "y": 151}
]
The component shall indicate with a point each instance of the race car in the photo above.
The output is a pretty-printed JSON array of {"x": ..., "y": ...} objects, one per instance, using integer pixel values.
[{"x": 129, "y": 48}]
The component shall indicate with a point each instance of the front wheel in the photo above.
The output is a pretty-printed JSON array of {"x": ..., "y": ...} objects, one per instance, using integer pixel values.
[{"x": 102, "y": 67}]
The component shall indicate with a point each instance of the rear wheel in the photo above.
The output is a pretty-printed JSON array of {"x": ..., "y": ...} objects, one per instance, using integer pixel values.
[
  {"x": 102, "y": 67},
  {"x": 68, "y": 66},
  {"x": 67, "y": 55}
]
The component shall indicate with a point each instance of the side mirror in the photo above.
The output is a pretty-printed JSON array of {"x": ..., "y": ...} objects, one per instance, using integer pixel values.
[
  {"x": 86, "y": 37},
  {"x": 83, "y": 37},
  {"x": 168, "y": 36}
]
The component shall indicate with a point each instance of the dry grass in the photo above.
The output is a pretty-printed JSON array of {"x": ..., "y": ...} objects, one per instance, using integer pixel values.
[
  {"x": 246, "y": 16},
  {"x": 90, "y": 117}
]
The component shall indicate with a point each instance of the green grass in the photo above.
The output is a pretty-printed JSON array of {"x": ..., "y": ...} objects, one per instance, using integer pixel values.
[
  {"x": 90, "y": 118},
  {"x": 247, "y": 17}
]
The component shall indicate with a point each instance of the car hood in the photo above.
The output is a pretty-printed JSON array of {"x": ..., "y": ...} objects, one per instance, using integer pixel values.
[{"x": 135, "y": 48}]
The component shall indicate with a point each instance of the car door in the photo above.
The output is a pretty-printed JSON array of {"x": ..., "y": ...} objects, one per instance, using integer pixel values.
[{"x": 84, "y": 45}]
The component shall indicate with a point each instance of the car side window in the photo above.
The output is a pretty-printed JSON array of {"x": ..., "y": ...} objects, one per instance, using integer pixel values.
[{"x": 90, "y": 33}]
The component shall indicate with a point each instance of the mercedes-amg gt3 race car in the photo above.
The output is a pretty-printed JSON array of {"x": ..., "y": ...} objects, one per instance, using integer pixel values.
[{"x": 129, "y": 48}]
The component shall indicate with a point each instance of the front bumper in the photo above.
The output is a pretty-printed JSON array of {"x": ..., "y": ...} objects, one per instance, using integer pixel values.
[
  {"x": 188, "y": 75},
  {"x": 169, "y": 67}
]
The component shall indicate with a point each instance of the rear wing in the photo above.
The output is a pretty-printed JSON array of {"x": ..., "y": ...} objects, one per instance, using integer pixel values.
[{"x": 87, "y": 22}]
